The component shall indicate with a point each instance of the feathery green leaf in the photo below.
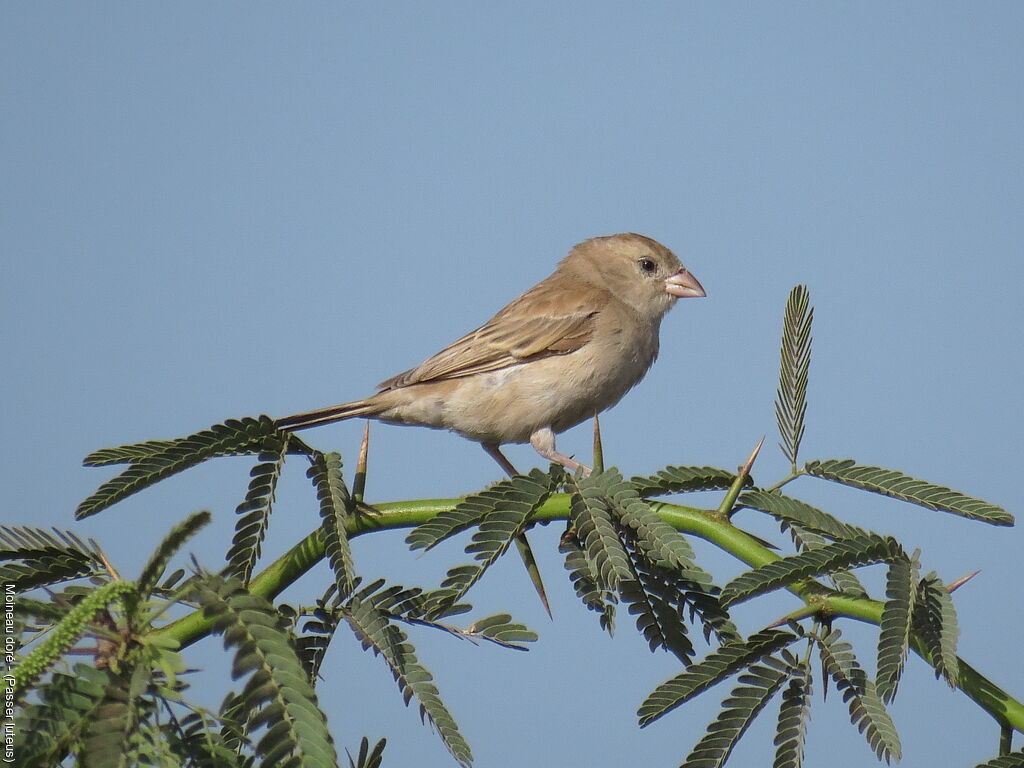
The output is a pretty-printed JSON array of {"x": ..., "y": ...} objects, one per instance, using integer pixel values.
[
  {"x": 897, "y": 485},
  {"x": 476, "y": 507},
  {"x": 756, "y": 688},
  {"x": 844, "y": 581},
  {"x": 682, "y": 480},
  {"x": 791, "y": 398},
  {"x": 233, "y": 437},
  {"x": 126, "y": 454},
  {"x": 50, "y": 729},
  {"x": 790, "y": 511},
  {"x": 1013, "y": 760},
  {"x": 584, "y": 580},
  {"x": 656, "y": 539},
  {"x": 935, "y": 623},
  {"x": 794, "y": 713},
  {"x": 317, "y": 633},
  {"x": 661, "y": 598},
  {"x": 722, "y": 663},
  {"x": 112, "y": 736},
  {"x": 277, "y": 693},
  {"x": 507, "y": 518},
  {"x": 336, "y": 507},
  {"x": 377, "y": 633},
  {"x": 254, "y": 512},
  {"x": 368, "y": 758},
  {"x": 845, "y": 553},
  {"x": 894, "y": 633},
  {"x": 867, "y": 711},
  {"x": 33, "y": 557},
  {"x": 654, "y": 598},
  {"x": 500, "y": 629},
  {"x": 591, "y": 517},
  {"x": 167, "y": 548}
]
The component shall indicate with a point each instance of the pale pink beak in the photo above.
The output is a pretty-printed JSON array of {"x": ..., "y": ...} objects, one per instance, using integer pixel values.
[{"x": 683, "y": 285}]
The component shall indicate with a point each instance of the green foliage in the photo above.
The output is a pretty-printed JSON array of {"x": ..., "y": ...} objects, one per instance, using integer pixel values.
[
  {"x": 665, "y": 601},
  {"x": 168, "y": 457},
  {"x": 127, "y": 454},
  {"x": 67, "y": 633},
  {"x": 500, "y": 629},
  {"x": 113, "y": 735},
  {"x": 503, "y": 514},
  {"x": 845, "y": 553},
  {"x": 719, "y": 665},
  {"x": 935, "y": 623},
  {"x": 1015, "y": 760},
  {"x": 683, "y": 480},
  {"x": 793, "y": 512},
  {"x": 794, "y": 714},
  {"x": 791, "y": 398},
  {"x": 336, "y": 507},
  {"x": 368, "y": 758},
  {"x": 32, "y": 557},
  {"x": 756, "y": 688},
  {"x": 518, "y": 495},
  {"x": 67, "y": 704},
  {"x": 277, "y": 694},
  {"x": 584, "y": 580},
  {"x": 167, "y": 548},
  {"x": 897, "y": 485},
  {"x": 660, "y": 542},
  {"x": 894, "y": 637},
  {"x": 596, "y": 531},
  {"x": 867, "y": 712},
  {"x": 619, "y": 549},
  {"x": 254, "y": 512},
  {"x": 372, "y": 626},
  {"x": 843, "y": 581},
  {"x": 129, "y": 706}
]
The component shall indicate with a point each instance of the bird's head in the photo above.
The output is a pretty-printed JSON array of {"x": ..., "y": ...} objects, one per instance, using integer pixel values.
[{"x": 636, "y": 269}]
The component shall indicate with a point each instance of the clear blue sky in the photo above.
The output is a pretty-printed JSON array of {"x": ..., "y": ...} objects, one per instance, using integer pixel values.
[{"x": 216, "y": 210}]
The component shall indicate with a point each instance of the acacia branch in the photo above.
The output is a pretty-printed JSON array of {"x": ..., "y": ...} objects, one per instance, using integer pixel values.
[{"x": 1004, "y": 708}]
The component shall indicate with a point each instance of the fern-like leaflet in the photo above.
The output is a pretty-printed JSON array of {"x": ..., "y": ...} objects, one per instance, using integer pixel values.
[
  {"x": 717, "y": 666},
  {"x": 505, "y": 513},
  {"x": 682, "y": 480},
  {"x": 756, "y": 687},
  {"x": 867, "y": 711},
  {"x": 894, "y": 634},
  {"x": 228, "y": 439},
  {"x": 791, "y": 398},
  {"x": 897, "y": 485},
  {"x": 935, "y": 623},
  {"x": 846, "y": 553},
  {"x": 277, "y": 693},
  {"x": 376, "y": 632},
  {"x": 254, "y": 512},
  {"x": 794, "y": 714},
  {"x": 33, "y": 557},
  {"x": 336, "y": 508}
]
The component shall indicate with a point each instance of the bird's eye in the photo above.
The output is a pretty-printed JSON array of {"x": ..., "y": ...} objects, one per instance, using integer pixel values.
[{"x": 648, "y": 265}]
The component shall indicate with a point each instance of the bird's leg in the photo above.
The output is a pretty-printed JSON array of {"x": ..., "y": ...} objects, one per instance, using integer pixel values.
[
  {"x": 495, "y": 453},
  {"x": 543, "y": 442},
  {"x": 522, "y": 543}
]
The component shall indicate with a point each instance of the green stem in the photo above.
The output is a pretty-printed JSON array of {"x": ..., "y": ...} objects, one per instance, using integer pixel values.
[
  {"x": 787, "y": 479},
  {"x": 708, "y": 525}
]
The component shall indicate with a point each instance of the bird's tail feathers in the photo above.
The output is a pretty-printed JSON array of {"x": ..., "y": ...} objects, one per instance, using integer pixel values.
[{"x": 328, "y": 415}]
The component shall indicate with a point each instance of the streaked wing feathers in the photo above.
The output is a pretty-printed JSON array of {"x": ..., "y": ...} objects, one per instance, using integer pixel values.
[{"x": 540, "y": 323}]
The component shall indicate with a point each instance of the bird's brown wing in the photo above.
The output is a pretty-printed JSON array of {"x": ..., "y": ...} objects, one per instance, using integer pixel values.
[{"x": 546, "y": 320}]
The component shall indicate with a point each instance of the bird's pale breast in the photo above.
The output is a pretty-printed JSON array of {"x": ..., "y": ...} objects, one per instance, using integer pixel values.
[{"x": 508, "y": 405}]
